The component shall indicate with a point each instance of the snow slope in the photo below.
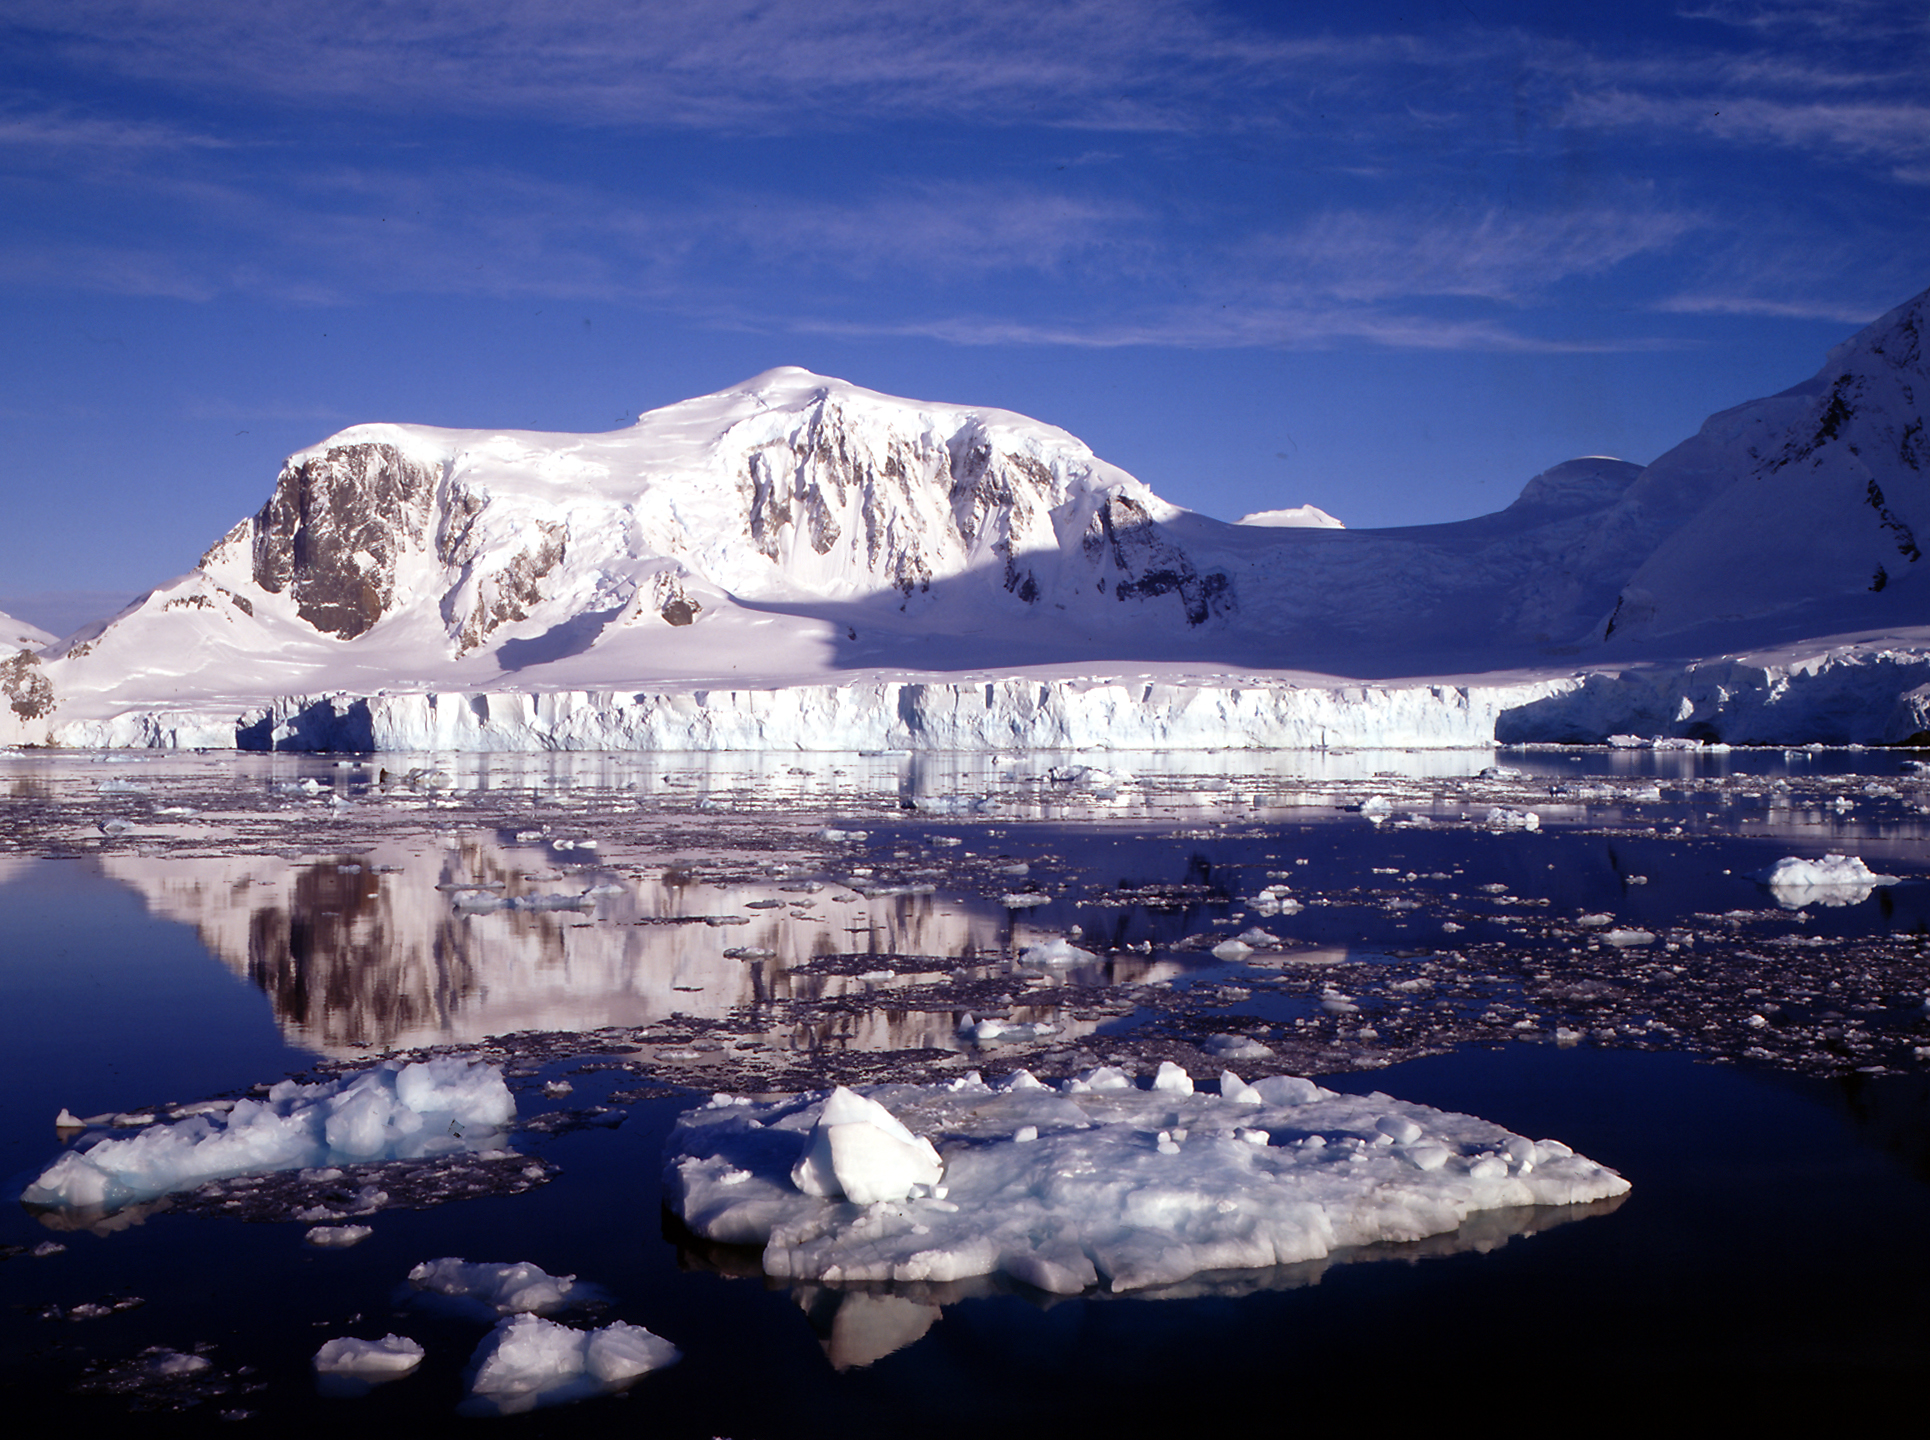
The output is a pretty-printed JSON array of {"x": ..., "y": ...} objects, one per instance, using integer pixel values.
[
  {"x": 19, "y": 635},
  {"x": 798, "y": 562},
  {"x": 1812, "y": 505}
]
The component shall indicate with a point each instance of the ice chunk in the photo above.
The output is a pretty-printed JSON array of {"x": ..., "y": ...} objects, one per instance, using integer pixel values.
[
  {"x": 1233, "y": 1088},
  {"x": 1398, "y": 1128},
  {"x": 1105, "y": 1077},
  {"x": 1502, "y": 818},
  {"x": 1236, "y": 1047},
  {"x": 492, "y": 1289},
  {"x": 349, "y": 1367},
  {"x": 1133, "y": 1188},
  {"x": 859, "y": 1150},
  {"x": 1171, "y": 1079},
  {"x": 393, "y": 1111},
  {"x": 1009, "y": 1032},
  {"x": 1832, "y": 880},
  {"x": 337, "y": 1237},
  {"x": 1055, "y": 952},
  {"x": 1289, "y": 1090},
  {"x": 528, "y": 1362}
]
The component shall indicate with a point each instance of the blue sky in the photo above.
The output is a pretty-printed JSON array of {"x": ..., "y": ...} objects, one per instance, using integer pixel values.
[{"x": 1387, "y": 259}]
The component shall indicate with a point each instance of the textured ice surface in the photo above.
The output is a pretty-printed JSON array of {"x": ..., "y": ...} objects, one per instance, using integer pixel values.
[
  {"x": 492, "y": 1289},
  {"x": 426, "y": 1108},
  {"x": 858, "y": 1151},
  {"x": 346, "y": 1367},
  {"x": 528, "y": 1362},
  {"x": 1100, "y": 1182}
]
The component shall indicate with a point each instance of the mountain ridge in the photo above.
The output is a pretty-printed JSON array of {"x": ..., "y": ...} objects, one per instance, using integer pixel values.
[{"x": 795, "y": 529}]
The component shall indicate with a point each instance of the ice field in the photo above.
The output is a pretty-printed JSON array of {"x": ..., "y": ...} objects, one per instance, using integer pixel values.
[{"x": 403, "y": 1091}]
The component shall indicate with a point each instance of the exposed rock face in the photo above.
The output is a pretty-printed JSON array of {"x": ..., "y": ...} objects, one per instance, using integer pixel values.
[
  {"x": 670, "y": 600},
  {"x": 1148, "y": 563},
  {"x": 29, "y": 694},
  {"x": 333, "y": 529},
  {"x": 509, "y": 594}
]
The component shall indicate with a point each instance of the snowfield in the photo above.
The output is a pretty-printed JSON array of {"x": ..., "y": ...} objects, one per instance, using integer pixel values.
[{"x": 799, "y": 563}]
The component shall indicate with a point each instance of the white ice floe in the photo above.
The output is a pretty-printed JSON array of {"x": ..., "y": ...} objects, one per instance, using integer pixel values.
[
  {"x": 1627, "y": 936},
  {"x": 1004, "y": 1032},
  {"x": 1502, "y": 818},
  {"x": 430, "y": 1107},
  {"x": 1832, "y": 880},
  {"x": 1236, "y": 1047},
  {"x": 350, "y": 1367},
  {"x": 526, "y": 1362},
  {"x": 1112, "y": 1184},
  {"x": 1060, "y": 951},
  {"x": 336, "y": 1237},
  {"x": 491, "y": 1289}
]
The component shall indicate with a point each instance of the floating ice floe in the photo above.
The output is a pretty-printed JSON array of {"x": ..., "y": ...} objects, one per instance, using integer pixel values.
[
  {"x": 527, "y": 1362},
  {"x": 1502, "y": 818},
  {"x": 1004, "y": 1032},
  {"x": 1832, "y": 880},
  {"x": 1625, "y": 937},
  {"x": 489, "y": 1289},
  {"x": 336, "y": 1237},
  {"x": 481, "y": 902},
  {"x": 1060, "y": 951},
  {"x": 347, "y": 1367},
  {"x": 1097, "y": 1182},
  {"x": 432, "y": 1107},
  {"x": 1236, "y": 1047}
]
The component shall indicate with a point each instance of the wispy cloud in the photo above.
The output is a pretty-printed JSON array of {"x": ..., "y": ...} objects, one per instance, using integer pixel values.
[
  {"x": 1368, "y": 256},
  {"x": 63, "y": 132},
  {"x": 1801, "y": 308},
  {"x": 1861, "y": 20},
  {"x": 1129, "y": 64},
  {"x": 1223, "y": 327},
  {"x": 1390, "y": 183},
  {"x": 1893, "y": 131}
]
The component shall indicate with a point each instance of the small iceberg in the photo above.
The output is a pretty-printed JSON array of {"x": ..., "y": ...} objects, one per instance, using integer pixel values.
[{"x": 1833, "y": 880}]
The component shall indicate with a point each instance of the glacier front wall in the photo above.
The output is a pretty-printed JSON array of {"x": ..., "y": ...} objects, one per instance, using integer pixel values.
[{"x": 1839, "y": 698}]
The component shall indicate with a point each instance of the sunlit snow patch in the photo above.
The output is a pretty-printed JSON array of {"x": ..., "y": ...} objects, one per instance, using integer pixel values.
[
  {"x": 1098, "y": 1181},
  {"x": 432, "y": 1107},
  {"x": 1832, "y": 880}
]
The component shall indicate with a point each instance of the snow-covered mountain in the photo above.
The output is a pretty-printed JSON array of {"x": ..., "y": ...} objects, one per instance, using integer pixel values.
[
  {"x": 798, "y": 531},
  {"x": 1813, "y": 505}
]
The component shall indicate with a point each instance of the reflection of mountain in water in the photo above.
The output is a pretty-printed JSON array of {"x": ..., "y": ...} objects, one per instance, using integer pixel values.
[{"x": 395, "y": 947}]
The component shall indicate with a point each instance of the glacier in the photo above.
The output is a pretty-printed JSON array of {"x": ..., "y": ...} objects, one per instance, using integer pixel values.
[{"x": 800, "y": 563}]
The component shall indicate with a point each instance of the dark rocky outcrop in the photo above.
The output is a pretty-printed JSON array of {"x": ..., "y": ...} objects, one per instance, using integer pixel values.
[{"x": 331, "y": 532}]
